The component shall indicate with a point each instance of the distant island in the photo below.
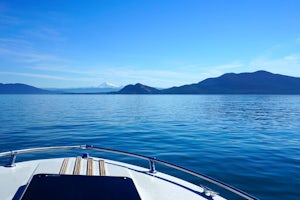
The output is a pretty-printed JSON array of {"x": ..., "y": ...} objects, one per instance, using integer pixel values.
[
  {"x": 138, "y": 89},
  {"x": 259, "y": 82}
]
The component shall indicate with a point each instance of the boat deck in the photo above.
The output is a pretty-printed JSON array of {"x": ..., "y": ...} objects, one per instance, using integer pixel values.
[{"x": 150, "y": 186}]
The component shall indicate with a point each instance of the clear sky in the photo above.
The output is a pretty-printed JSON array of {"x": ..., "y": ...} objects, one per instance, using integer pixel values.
[{"x": 160, "y": 43}]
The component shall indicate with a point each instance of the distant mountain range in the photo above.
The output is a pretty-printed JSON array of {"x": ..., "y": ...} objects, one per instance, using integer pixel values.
[
  {"x": 18, "y": 88},
  {"x": 260, "y": 82}
]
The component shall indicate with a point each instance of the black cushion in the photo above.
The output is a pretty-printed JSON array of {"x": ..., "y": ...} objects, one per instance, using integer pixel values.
[{"x": 77, "y": 187}]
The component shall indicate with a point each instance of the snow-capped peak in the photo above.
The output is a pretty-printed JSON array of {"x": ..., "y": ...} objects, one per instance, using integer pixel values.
[{"x": 107, "y": 85}]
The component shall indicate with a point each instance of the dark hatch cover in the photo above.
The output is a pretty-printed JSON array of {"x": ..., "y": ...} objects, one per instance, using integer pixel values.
[{"x": 76, "y": 187}]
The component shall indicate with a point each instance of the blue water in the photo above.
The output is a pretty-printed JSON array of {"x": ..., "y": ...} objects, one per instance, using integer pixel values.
[{"x": 251, "y": 142}]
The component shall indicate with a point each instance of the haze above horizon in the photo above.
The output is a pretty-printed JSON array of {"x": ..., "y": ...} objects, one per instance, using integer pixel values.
[{"x": 159, "y": 43}]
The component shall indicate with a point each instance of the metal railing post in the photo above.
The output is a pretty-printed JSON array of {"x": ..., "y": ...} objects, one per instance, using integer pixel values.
[
  {"x": 12, "y": 159},
  {"x": 152, "y": 166}
]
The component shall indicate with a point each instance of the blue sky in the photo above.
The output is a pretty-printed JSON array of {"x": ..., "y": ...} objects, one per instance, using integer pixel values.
[{"x": 161, "y": 43}]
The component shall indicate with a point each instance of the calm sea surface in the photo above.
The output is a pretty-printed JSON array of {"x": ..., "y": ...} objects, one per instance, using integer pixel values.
[{"x": 251, "y": 142}]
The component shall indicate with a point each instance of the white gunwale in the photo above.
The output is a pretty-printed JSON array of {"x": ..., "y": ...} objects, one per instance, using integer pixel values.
[{"x": 152, "y": 161}]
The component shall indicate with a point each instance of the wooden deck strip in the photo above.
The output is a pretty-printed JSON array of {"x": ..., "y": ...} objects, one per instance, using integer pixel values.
[
  {"x": 89, "y": 170},
  {"x": 77, "y": 166},
  {"x": 64, "y": 166},
  {"x": 101, "y": 168}
]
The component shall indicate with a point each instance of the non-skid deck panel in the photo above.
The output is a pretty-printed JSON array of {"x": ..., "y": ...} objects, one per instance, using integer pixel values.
[{"x": 80, "y": 166}]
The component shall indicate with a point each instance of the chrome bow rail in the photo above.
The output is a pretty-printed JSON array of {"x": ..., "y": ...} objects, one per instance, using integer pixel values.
[{"x": 152, "y": 161}]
